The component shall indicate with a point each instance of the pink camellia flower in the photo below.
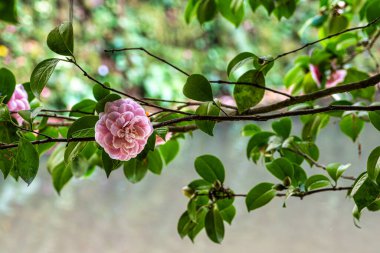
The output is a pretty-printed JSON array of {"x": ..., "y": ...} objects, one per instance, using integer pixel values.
[
  {"x": 315, "y": 74},
  {"x": 160, "y": 141},
  {"x": 18, "y": 102},
  {"x": 336, "y": 77},
  {"x": 123, "y": 129}
]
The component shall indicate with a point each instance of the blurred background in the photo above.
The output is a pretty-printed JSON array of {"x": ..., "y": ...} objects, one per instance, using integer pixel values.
[{"x": 112, "y": 215}]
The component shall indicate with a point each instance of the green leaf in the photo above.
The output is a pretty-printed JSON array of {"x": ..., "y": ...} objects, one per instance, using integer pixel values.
[
  {"x": 200, "y": 184},
  {"x": 28, "y": 91},
  {"x": 317, "y": 181},
  {"x": 109, "y": 164},
  {"x": 313, "y": 126},
  {"x": 192, "y": 209},
  {"x": 41, "y": 74},
  {"x": 250, "y": 130},
  {"x": 239, "y": 60},
  {"x": 374, "y": 117},
  {"x": 191, "y": 9},
  {"x": 8, "y": 11},
  {"x": 78, "y": 165},
  {"x": 4, "y": 113},
  {"x": 336, "y": 170},
  {"x": 372, "y": 11},
  {"x": 135, "y": 169},
  {"x": 86, "y": 122},
  {"x": 169, "y": 150},
  {"x": 232, "y": 12},
  {"x": 155, "y": 163},
  {"x": 209, "y": 168},
  {"x": 282, "y": 127},
  {"x": 258, "y": 142},
  {"x": 7, "y": 83},
  {"x": 83, "y": 108},
  {"x": 228, "y": 214},
  {"x": 27, "y": 161},
  {"x": 51, "y": 132},
  {"x": 7, "y": 161},
  {"x": 259, "y": 196},
  {"x": 338, "y": 23},
  {"x": 351, "y": 125},
  {"x": 224, "y": 203},
  {"x": 206, "y": 11},
  {"x": 109, "y": 98},
  {"x": 247, "y": 96},
  {"x": 61, "y": 39},
  {"x": 300, "y": 175},
  {"x": 214, "y": 225},
  {"x": 200, "y": 224},
  {"x": 73, "y": 149},
  {"x": 281, "y": 168},
  {"x": 185, "y": 224},
  {"x": 374, "y": 206},
  {"x": 99, "y": 92},
  {"x": 197, "y": 87},
  {"x": 161, "y": 132},
  {"x": 207, "y": 109},
  {"x": 61, "y": 174},
  {"x": 373, "y": 164},
  {"x": 364, "y": 192}
]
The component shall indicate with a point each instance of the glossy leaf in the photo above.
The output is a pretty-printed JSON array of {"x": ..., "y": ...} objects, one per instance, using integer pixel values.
[
  {"x": 169, "y": 150},
  {"x": 41, "y": 75},
  {"x": 336, "y": 170},
  {"x": 155, "y": 163},
  {"x": 351, "y": 125},
  {"x": 7, "y": 84},
  {"x": 86, "y": 122},
  {"x": 281, "y": 168},
  {"x": 250, "y": 130},
  {"x": 373, "y": 164},
  {"x": 197, "y": 87},
  {"x": 228, "y": 214},
  {"x": 83, "y": 108},
  {"x": 209, "y": 168},
  {"x": 135, "y": 170},
  {"x": 239, "y": 60},
  {"x": 259, "y": 196},
  {"x": 316, "y": 182},
  {"x": 247, "y": 96},
  {"x": 8, "y": 11},
  {"x": 375, "y": 119},
  {"x": 27, "y": 161},
  {"x": 206, "y": 11},
  {"x": 364, "y": 192},
  {"x": 207, "y": 109},
  {"x": 282, "y": 127},
  {"x": 109, "y": 164},
  {"x": 232, "y": 13},
  {"x": 99, "y": 92},
  {"x": 214, "y": 225},
  {"x": 61, "y": 39}
]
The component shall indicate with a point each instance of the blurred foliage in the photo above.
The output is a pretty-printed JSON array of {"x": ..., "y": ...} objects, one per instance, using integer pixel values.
[{"x": 158, "y": 26}]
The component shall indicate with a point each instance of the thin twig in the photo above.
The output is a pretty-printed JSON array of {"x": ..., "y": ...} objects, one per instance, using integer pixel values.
[
  {"x": 50, "y": 140},
  {"x": 150, "y": 54},
  {"x": 325, "y": 38}
]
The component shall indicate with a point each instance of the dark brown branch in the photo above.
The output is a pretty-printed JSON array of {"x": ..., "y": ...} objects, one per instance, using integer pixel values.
[
  {"x": 372, "y": 81},
  {"x": 269, "y": 116},
  {"x": 50, "y": 140},
  {"x": 32, "y": 131}
]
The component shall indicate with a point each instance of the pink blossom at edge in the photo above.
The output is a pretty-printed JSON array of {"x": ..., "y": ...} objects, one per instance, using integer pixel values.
[
  {"x": 18, "y": 102},
  {"x": 315, "y": 74},
  {"x": 123, "y": 129}
]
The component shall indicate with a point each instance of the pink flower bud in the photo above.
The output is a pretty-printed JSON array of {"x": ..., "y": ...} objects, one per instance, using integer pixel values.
[
  {"x": 18, "y": 102},
  {"x": 123, "y": 129},
  {"x": 160, "y": 141},
  {"x": 336, "y": 77}
]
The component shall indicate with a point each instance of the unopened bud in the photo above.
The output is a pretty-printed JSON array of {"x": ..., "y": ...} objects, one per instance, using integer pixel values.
[{"x": 188, "y": 192}]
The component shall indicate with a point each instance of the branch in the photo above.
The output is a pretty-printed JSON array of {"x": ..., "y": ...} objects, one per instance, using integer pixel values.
[
  {"x": 269, "y": 116},
  {"x": 372, "y": 81},
  {"x": 326, "y": 38},
  {"x": 50, "y": 140},
  {"x": 123, "y": 93},
  {"x": 185, "y": 73},
  {"x": 150, "y": 54}
]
